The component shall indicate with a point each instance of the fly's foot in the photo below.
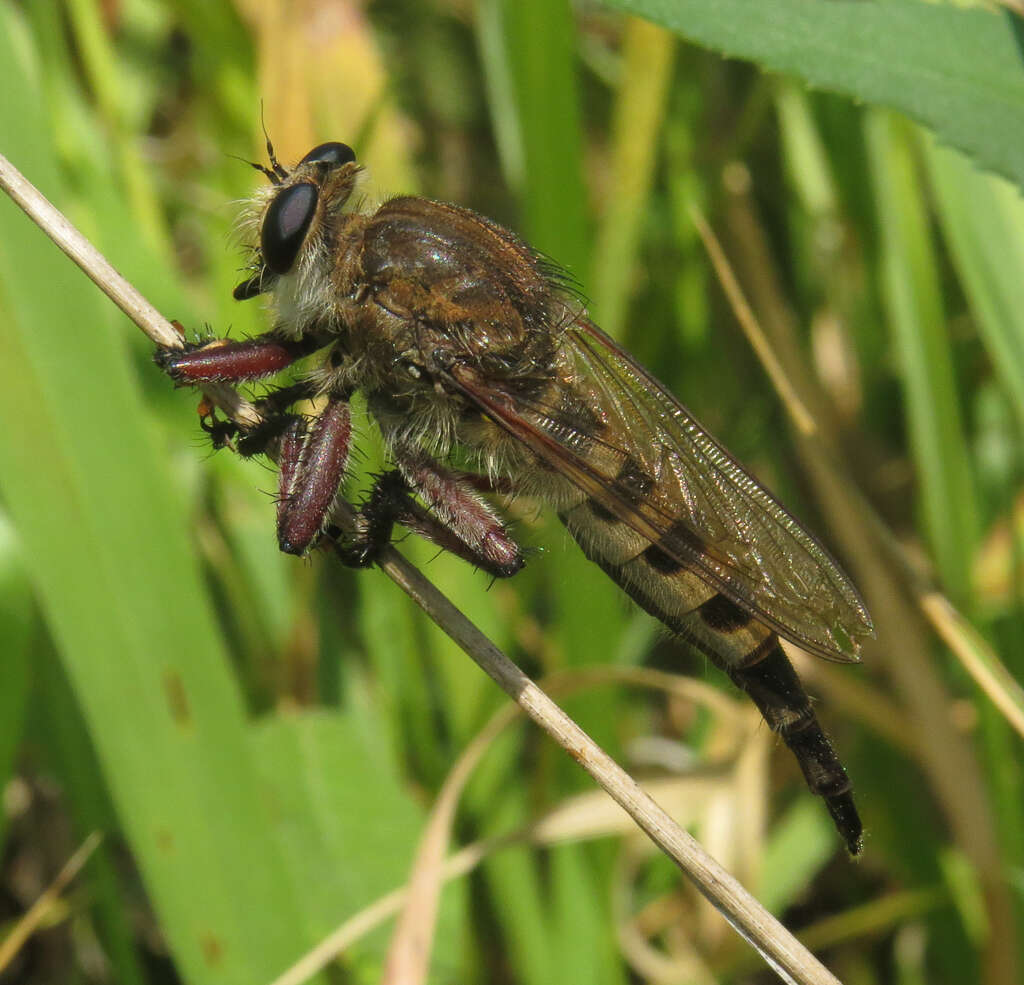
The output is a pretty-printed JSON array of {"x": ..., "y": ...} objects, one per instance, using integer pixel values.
[
  {"x": 222, "y": 433},
  {"x": 169, "y": 358},
  {"x": 357, "y": 554},
  {"x": 387, "y": 504},
  {"x": 458, "y": 523}
]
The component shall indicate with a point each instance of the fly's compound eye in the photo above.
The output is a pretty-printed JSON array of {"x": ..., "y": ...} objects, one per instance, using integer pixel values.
[
  {"x": 285, "y": 226},
  {"x": 333, "y": 155}
]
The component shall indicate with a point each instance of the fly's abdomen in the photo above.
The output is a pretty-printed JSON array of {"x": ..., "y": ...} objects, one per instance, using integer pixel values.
[{"x": 745, "y": 648}]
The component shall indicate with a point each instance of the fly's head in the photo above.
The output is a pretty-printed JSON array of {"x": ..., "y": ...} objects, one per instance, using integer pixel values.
[{"x": 290, "y": 226}]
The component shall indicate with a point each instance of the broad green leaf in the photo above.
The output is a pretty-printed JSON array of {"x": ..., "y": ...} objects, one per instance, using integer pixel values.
[
  {"x": 958, "y": 71},
  {"x": 348, "y": 828}
]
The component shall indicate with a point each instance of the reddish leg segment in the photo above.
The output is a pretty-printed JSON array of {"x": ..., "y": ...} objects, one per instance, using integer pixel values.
[
  {"x": 313, "y": 459},
  {"x": 454, "y": 504},
  {"x": 312, "y": 462},
  {"x": 455, "y": 518},
  {"x": 224, "y": 361}
]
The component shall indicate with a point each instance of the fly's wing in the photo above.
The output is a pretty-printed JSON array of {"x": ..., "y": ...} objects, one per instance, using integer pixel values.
[{"x": 656, "y": 469}]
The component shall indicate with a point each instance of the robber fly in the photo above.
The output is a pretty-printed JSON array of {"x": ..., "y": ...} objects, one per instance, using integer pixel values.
[{"x": 484, "y": 373}]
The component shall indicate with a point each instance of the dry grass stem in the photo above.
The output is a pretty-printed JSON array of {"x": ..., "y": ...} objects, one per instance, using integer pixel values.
[
  {"x": 36, "y": 914},
  {"x": 98, "y": 269}
]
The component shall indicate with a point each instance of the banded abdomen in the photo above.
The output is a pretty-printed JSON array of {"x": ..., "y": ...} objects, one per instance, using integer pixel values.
[{"x": 746, "y": 649}]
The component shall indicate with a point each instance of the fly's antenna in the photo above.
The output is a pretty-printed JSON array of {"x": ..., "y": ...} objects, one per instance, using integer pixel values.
[
  {"x": 276, "y": 173},
  {"x": 259, "y": 167}
]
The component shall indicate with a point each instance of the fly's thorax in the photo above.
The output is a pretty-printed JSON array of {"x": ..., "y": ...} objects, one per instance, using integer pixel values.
[{"x": 465, "y": 276}]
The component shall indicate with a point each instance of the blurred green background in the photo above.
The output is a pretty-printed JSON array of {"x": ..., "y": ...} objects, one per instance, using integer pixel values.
[{"x": 261, "y": 739}]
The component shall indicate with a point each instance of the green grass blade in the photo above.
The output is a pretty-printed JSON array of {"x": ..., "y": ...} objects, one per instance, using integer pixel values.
[
  {"x": 911, "y": 288},
  {"x": 112, "y": 93},
  {"x": 501, "y": 89},
  {"x": 579, "y": 912},
  {"x": 983, "y": 219},
  {"x": 638, "y": 119},
  {"x": 61, "y": 733},
  {"x": 17, "y": 615},
  {"x": 541, "y": 46},
  {"x": 800, "y": 846},
  {"x": 518, "y": 895}
]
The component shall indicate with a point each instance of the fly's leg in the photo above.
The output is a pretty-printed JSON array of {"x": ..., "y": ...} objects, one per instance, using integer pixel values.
[
  {"x": 455, "y": 517},
  {"x": 226, "y": 361},
  {"x": 312, "y": 460},
  {"x": 312, "y": 457},
  {"x": 389, "y": 503},
  {"x": 263, "y": 438}
]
